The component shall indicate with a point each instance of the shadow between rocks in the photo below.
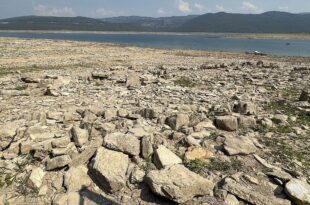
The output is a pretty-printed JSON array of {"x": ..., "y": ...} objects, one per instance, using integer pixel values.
[{"x": 97, "y": 199}]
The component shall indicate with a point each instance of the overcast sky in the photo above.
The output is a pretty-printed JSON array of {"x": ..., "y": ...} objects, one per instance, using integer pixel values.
[{"x": 108, "y": 8}]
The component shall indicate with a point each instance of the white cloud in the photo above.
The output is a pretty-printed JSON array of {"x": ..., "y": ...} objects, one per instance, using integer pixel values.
[
  {"x": 184, "y": 6},
  {"x": 161, "y": 11},
  {"x": 220, "y": 8},
  {"x": 199, "y": 7},
  {"x": 102, "y": 12},
  {"x": 246, "y": 5},
  {"x": 43, "y": 10}
]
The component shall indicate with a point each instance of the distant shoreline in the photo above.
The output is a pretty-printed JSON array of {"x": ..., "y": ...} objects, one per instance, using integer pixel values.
[{"x": 288, "y": 36}]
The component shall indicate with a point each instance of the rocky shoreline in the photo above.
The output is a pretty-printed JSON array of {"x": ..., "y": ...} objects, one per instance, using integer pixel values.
[{"x": 91, "y": 123}]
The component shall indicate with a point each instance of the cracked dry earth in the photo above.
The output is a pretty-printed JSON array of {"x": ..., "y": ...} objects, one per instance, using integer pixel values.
[{"x": 90, "y": 123}]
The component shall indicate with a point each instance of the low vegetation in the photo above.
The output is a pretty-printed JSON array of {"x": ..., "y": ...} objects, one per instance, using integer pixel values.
[
  {"x": 185, "y": 82},
  {"x": 216, "y": 164}
]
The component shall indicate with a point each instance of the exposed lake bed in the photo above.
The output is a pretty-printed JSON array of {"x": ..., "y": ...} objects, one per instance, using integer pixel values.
[{"x": 101, "y": 123}]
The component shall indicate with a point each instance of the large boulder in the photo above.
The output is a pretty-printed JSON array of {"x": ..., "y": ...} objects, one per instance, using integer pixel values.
[
  {"x": 298, "y": 191},
  {"x": 178, "y": 184},
  {"x": 227, "y": 123},
  {"x": 164, "y": 157},
  {"x": 109, "y": 169},
  {"x": 126, "y": 143}
]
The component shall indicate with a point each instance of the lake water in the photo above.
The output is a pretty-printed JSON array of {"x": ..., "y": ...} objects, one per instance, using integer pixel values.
[{"x": 196, "y": 42}]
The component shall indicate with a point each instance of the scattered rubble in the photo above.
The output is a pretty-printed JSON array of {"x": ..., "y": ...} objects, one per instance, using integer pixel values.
[{"x": 104, "y": 124}]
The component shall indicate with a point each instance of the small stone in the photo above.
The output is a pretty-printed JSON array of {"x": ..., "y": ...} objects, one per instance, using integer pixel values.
[
  {"x": 126, "y": 143},
  {"x": 80, "y": 136},
  {"x": 231, "y": 200},
  {"x": 164, "y": 157},
  {"x": 178, "y": 121},
  {"x": 247, "y": 121},
  {"x": 57, "y": 162},
  {"x": 36, "y": 177},
  {"x": 279, "y": 119},
  {"x": 298, "y": 191},
  {"x": 239, "y": 145},
  {"x": 76, "y": 178},
  {"x": 147, "y": 147},
  {"x": 204, "y": 125},
  {"x": 147, "y": 113},
  {"x": 110, "y": 113},
  {"x": 199, "y": 153},
  {"x": 7, "y": 134},
  {"x": 133, "y": 80},
  {"x": 50, "y": 91},
  {"x": 227, "y": 123},
  {"x": 137, "y": 175},
  {"x": 245, "y": 108}
]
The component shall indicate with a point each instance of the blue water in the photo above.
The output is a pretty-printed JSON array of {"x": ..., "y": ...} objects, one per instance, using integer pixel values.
[{"x": 196, "y": 42}]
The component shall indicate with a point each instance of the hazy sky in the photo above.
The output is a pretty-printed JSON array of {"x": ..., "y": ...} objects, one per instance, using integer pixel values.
[{"x": 107, "y": 8}]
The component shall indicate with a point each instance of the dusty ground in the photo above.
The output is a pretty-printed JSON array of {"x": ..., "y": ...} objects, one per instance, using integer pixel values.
[{"x": 241, "y": 111}]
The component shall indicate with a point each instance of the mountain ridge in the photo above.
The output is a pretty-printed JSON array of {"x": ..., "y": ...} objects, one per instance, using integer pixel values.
[{"x": 221, "y": 22}]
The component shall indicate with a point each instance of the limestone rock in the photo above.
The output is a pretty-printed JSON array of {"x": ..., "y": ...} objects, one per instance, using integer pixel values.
[
  {"x": 109, "y": 113},
  {"x": 231, "y": 200},
  {"x": 235, "y": 145},
  {"x": 76, "y": 178},
  {"x": 253, "y": 195},
  {"x": 36, "y": 177},
  {"x": 245, "y": 108},
  {"x": 133, "y": 80},
  {"x": 109, "y": 168},
  {"x": 39, "y": 133},
  {"x": 57, "y": 162},
  {"x": 247, "y": 121},
  {"x": 198, "y": 153},
  {"x": 137, "y": 175},
  {"x": 164, "y": 157},
  {"x": 80, "y": 136},
  {"x": 147, "y": 113},
  {"x": 177, "y": 121},
  {"x": 204, "y": 125},
  {"x": 7, "y": 134},
  {"x": 126, "y": 143},
  {"x": 227, "y": 123},
  {"x": 177, "y": 183},
  {"x": 147, "y": 146},
  {"x": 51, "y": 91},
  {"x": 29, "y": 79},
  {"x": 298, "y": 191},
  {"x": 280, "y": 119}
]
